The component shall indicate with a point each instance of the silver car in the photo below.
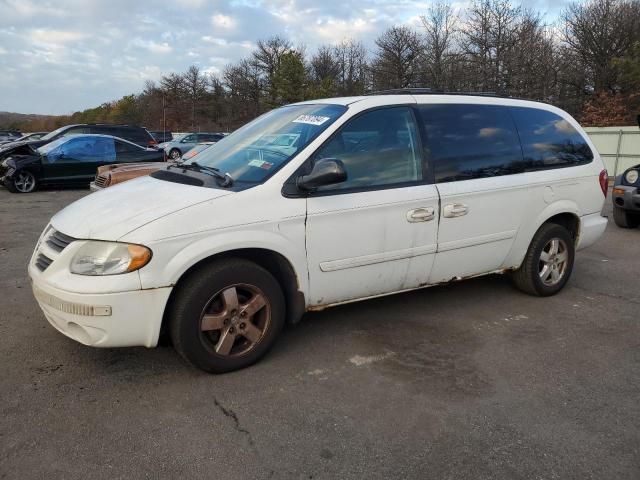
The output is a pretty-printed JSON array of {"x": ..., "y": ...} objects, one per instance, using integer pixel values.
[{"x": 183, "y": 143}]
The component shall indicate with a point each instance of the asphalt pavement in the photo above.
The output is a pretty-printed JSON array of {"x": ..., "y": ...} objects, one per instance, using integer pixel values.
[{"x": 473, "y": 380}]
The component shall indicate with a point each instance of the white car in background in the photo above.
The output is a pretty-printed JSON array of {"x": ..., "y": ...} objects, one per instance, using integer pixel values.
[
  {"x": 317, "y": 204},
  {"x": 181, "y": 144}
]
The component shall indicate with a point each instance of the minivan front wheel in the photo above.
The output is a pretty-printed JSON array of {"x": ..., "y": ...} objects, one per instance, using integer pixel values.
[
  {"x": 548, "y": 263},
  {"x": 23, "y": 181},
  {"x": 226, "y": 315},
  {"x": 175, "y": 154}
]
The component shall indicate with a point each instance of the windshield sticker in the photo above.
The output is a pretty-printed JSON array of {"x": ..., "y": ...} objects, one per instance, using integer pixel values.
[
  {"x": 261, "y": 164},
  {"x": 311, "y": 119}
]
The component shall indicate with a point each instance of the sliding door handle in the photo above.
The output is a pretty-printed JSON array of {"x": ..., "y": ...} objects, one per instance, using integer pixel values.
[{"x": 453, "y": 210}]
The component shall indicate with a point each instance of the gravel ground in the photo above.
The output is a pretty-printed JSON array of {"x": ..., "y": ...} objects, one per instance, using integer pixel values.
[{"x": 473, "y": 380}]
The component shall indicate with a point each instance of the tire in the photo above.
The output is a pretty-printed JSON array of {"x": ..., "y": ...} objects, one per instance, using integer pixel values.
[
  {"x": 532, "y": 277},
  {"x": 625, "y": 219},
  {"x": 22, "y": 181},
  {"x": 208, "y": 328},
  {"x": 175, "y": 154}
]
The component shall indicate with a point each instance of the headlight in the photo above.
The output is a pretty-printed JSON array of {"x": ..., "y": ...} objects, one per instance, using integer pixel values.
[
  {"x": 109, "y": 258},
  {"x": 631, "y": 176}
]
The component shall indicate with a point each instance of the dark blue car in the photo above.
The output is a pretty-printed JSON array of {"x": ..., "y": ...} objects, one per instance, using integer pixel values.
[{"x": 71, "y": 160}]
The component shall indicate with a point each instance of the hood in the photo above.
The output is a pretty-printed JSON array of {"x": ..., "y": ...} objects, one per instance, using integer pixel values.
[
  {"x": 115, "y": 211},
  {"x": 19, "y": 143},
  {"x": 27, "y": 148}
]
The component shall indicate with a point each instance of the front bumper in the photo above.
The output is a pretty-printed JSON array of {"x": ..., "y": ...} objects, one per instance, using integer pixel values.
[
  {"x": 626, "y": 197},
  {"x": 123, "y": 319},
  {"x": 93, "y": 187},
  {"x": 101, "y": 311}
]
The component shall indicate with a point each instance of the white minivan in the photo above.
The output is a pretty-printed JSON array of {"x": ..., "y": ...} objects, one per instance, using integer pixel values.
[{"x": 317, "y": 204}]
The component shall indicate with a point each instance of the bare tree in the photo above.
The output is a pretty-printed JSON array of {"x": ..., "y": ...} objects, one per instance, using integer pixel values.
[
  {"x": 396, "y": 62},
  {"x": 243, "y": 83},
  {"x": 599, "y": 31},
  {"x": 439, "y": 29},
  {"x": 352, "y": 62},
  {"x": 267, "y": 58},
  {"x": 488, "y": 37},
  {"x": 324, "y": 64},
  {"x": 195, "y": 85}
]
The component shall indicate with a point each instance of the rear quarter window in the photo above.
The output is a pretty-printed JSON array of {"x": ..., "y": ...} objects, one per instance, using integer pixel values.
[{"x": 548, "y": 140}]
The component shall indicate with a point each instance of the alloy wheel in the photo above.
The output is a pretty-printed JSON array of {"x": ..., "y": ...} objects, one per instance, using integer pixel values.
[
  {"x": 235, "y": 320},
  {"x": 553, "y": 262},
  {"x": 24, "y": 182}
]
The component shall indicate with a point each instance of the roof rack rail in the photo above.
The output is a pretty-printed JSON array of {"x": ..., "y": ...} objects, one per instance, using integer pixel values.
[{"x": 432, "y": 91}]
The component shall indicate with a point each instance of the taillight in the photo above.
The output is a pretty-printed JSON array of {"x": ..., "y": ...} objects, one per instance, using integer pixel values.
[
  {"x": 152, "y": 142},
  {"x": 604, "y": 181}
]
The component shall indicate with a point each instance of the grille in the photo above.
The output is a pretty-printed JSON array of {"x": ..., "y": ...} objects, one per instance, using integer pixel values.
[
  {"x": 59, "y": 241},
  {"x": 102, "y": 180},
  {"x": 43, "y": 262},
  {"x": 55, "y": 242}
]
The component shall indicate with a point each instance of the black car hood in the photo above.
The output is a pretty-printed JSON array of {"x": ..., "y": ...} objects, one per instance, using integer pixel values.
[{"x": 20, "y": 148}]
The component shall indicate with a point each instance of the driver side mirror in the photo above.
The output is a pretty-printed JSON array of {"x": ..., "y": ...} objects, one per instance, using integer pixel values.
[{"x": 326, "y": 171}]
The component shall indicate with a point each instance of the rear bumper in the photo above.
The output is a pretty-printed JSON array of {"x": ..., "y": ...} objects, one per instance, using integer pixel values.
[
  {"x": 592, "y": 227},
  {"x": 626, "y": 197}
]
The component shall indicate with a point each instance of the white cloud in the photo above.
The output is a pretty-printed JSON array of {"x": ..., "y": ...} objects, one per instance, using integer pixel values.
[
  {"x": 152, "y": 46},
  {"x": 54, "y": 37},
  {"x": 225, "y": 22}
]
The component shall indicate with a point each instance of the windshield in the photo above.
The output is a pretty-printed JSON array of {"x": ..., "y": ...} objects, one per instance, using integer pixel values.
[
  {"x": 257, "y": 150},
  {"x": 50, "y": 135},
  {"x": 43, "y": 150}
]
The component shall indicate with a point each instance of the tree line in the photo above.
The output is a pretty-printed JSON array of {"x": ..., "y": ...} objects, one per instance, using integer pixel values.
[{"x": 587, "y": 63}]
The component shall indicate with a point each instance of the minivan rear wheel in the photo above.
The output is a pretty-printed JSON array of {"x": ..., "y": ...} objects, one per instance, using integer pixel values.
[
  {"x": 226, "y": 315},
  {"x": 548, "y": 263},
  {"x": 624, "y": 218}
]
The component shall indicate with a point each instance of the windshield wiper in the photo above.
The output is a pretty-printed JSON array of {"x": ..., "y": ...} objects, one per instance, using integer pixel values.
[{"x": 227, "y": 180}]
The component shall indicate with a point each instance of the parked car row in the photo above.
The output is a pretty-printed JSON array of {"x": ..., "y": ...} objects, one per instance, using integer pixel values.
[
  {"x": 11, "y": 136},
  {"x": 70, "y": 160},
  {"x": 70, "y": 155}
]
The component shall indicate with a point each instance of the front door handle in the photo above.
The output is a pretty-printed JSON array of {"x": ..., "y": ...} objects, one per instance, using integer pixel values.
[
  {"x": 421, "y": 214},
  {"x": 453, "y": 210}
]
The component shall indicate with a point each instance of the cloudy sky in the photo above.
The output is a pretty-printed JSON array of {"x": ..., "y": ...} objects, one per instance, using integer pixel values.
[{"x": 66, "y": 55}]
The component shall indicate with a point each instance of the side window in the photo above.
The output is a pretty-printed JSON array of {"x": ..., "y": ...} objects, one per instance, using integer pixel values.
[
  {"x": 75, "y": 131},
  {"x": 548, "y": 140},
  {"x": 190, "y": 139},
  {"x": 378, "y": 148},
  {"x": 104, "y": 150},
  {"x": 470, "y": 141},
  {"x": 123, "y": 148}
]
